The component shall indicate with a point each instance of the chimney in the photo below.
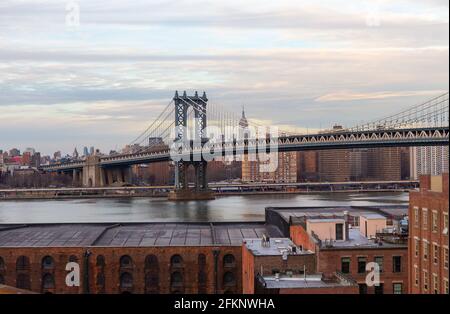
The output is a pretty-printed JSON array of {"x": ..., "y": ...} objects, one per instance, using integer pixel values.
[{"x": 346, "y": 219}]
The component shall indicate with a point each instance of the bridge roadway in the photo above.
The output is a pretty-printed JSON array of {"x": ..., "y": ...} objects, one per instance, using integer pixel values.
[
  {"x": 218, "y": 186},
  {"x": 436, "y": 136}
]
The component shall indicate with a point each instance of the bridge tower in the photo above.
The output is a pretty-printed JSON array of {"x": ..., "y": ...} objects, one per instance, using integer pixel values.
[{"x": 182, "y": 191}]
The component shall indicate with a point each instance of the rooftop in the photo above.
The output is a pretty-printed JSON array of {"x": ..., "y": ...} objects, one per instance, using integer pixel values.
[
  {"x": 132, "y": 235},
  {"x": 274, "y": 247},
  {"x": 357, "y": 240},
  {"x": 390, "y": 212},
  {"x": 308, "y": 281}
]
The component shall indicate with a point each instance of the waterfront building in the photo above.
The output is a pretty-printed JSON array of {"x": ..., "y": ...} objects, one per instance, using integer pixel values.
[
  {"x": 428, "y": 236},
  {"x": 307, "y": 166},
  {"x": 431, "y": 160},
  {"x": 384, "y": 164},
  {"x": 208, "y": 257},
  {"x": 347, "y": 239}
]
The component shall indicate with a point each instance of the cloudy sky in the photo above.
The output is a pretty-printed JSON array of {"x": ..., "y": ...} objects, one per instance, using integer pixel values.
[{"x": 290, "y": 62}]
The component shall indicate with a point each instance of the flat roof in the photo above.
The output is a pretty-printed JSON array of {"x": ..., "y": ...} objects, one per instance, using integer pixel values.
[
  {"x": 357, "y": 240},
  {"x": 276, "y": 248},
  {"x": 310, "y": 281},
  {"x": 315, "y": 220},
  {"x": 373, "y": 216},
  {"x": 395, "y": 212},
  {"x": 132, "y": 234}
]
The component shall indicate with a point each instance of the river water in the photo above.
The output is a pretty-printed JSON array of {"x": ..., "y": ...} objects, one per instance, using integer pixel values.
[{"x": 227, "y": 208}]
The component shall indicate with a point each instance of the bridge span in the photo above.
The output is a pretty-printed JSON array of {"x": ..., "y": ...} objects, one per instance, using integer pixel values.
[{"x": 422, "y": 125}]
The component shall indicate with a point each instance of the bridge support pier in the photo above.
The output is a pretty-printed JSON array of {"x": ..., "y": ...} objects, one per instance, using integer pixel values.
[
  {"x": 182, "y": 191},
  {"x": 92, "y": 173}
]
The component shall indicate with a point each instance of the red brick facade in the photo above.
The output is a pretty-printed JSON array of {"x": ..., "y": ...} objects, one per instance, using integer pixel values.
[
  {"x": 125, "y": 270},
  {"x": 428, "y": 237},
  {"x": 329, "y": 261}
]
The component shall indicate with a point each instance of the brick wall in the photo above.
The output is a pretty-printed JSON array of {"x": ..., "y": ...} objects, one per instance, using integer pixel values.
[{"x": 107, "y": 278}]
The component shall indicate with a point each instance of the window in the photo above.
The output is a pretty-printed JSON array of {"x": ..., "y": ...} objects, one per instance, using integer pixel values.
[
  {"x": 416, "y": 275},
  {"x": 445, "y": 230},
  {"x": 22, "y": 263},
  {"x": 201, "y": 260},
  {"x": 100, "y": 279},
  {"x": 228, "y": 279},
  {"x": 202, "y": 271},
  {"x": 47, "y": 262},
  {"x": 416, "y": 216},
  {"x": 339, "y": 231},
  {"x": 379, "y": 289},
  {"x": 176, "y": 279},
  {"x": 229, "y": 260},
  {"x": 126, "y": 281},
  {"x": 397, "y": 264},
  {"x": 151, "y": 262},
  {"x": 425, "y": 280},
  {"x": 425, "y": 218},
  {"x": 48, "y": 281},
  {"x": 446, "y": 285},
  {"x": 379, "y": 260},
  {"x": 435, "y": 253},
  {"x": 176, "y": 261},
  {"x": 100, "y": 261},
  {"x": 417, "y": 247},
  {"x": 2, "y": 263},
  {"x": 434, "y": 221},
  {"x": 345, "y": 265},
  {"x": 202, "y": 277},
  {"x": 435, "y": 284},
  {"x": 362, "y": 288},
  {"x": 152, "y": 283},
  {"x": 361, "y": 265},
  {"x": 126, "y": 261},
  {"x": 445, "y": 257},
  {"x": 23, "y": 281},
  {"x": 397, "y": 288},
  {"x": 425, "y": 250}
]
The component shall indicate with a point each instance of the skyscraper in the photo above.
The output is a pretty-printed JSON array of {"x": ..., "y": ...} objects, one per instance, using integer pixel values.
[{"x": 432, "y": 160}]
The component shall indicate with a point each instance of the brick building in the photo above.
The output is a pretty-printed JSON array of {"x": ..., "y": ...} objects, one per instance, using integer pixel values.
[
  {"x": 310, "y": 250},
  {"x": 346, "y": 239},
  {"x": 428, "y": 236},
  {"x": 278, "y": 266},
  {"x": 129, "y": 258},
  {"x": 384, "y": 163},
  {"x": 307, "y": 166}
]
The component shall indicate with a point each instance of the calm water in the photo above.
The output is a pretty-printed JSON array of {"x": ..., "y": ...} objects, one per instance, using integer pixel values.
[{"x": 230, "y": 208}]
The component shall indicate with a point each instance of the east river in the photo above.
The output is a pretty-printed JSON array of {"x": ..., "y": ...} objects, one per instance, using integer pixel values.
[{"x": 228, "y": 208}]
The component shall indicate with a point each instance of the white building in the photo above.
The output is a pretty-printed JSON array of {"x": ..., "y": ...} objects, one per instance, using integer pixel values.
[{"x": 431, "y": 160}]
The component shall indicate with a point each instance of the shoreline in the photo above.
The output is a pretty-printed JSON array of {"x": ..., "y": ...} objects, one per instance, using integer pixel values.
[{"x": 164, "y": 195}]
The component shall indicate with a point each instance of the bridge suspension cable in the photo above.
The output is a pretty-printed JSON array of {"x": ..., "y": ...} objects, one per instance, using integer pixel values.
[{"x": 432, "y": 113}]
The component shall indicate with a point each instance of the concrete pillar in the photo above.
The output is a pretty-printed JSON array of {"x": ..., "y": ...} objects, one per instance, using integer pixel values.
[{"x": 92, "y": 172}]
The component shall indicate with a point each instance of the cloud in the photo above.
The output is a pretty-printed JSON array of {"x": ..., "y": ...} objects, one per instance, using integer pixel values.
[
  {"x": 351, "y": 96},
  {"x": 303, "y": 64}
]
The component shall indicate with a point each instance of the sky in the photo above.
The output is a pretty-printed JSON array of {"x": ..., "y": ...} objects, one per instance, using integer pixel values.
[{"x": 100, "y": 77}]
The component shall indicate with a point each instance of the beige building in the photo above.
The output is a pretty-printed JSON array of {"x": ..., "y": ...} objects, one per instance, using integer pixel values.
[
  {"x": 430, "y": 160},
  {"x": 255, "y": 170}
]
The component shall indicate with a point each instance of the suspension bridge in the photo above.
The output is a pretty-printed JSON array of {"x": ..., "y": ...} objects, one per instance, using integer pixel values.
[{"x": 190, "y": 132}]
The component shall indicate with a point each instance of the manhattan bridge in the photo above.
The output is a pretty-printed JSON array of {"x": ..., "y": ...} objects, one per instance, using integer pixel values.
[{"x": 190, "y": 131}]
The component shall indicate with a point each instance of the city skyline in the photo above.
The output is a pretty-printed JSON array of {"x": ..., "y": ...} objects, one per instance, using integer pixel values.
[{"x": 101, "y": 83}]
